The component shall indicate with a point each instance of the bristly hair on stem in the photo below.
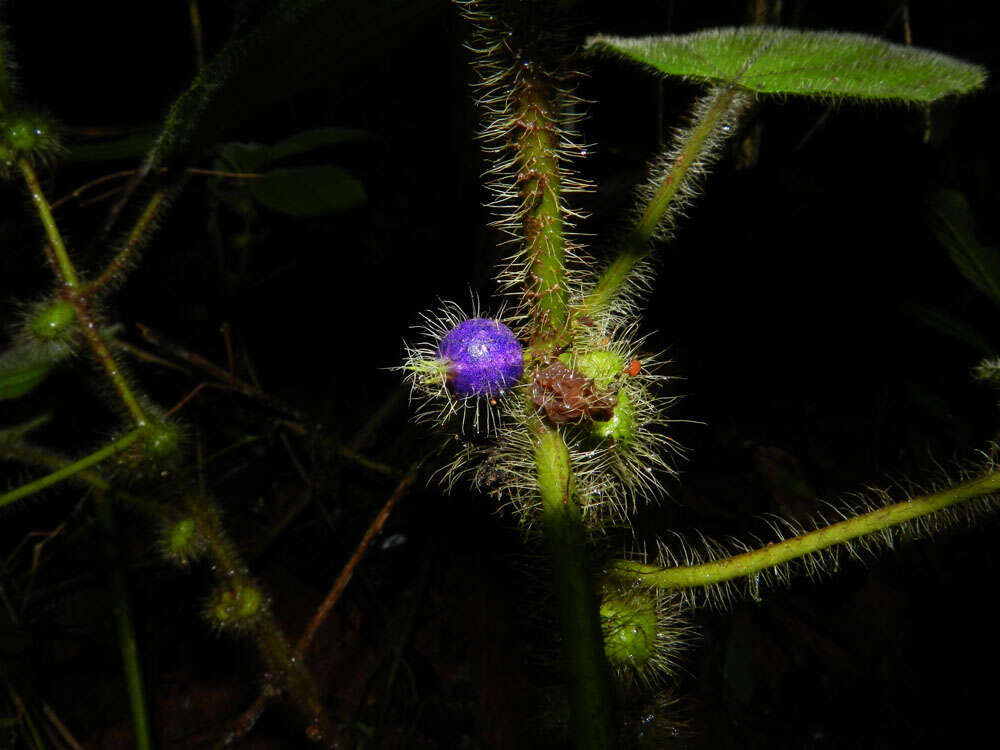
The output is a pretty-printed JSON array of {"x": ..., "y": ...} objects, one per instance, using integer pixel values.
[
  {"x": 709, "y": 573},
  {"x": 530, "y": 111}
]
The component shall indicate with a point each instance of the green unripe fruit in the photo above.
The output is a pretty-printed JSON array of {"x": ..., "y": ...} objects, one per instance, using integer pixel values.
[
  {"x": 236, "y": 605},
  {"x": 52, "y": 322},
  {"x": 621, "y": 426},
  {"x": 629, "y": 628},
  {"x": 163, "y": 441}
]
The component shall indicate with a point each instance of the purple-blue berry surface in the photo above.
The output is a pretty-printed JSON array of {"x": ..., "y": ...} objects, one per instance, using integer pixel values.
[{"x": 483, "y": 357}]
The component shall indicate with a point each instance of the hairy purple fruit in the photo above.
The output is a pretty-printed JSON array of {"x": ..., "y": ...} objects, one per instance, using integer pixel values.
[{"x": 482, "y": 357}]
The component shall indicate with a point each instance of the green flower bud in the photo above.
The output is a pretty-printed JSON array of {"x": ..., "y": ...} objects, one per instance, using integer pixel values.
[
  {"x": 53, "y": 321},
  {"x": 182, "y": 542},
  {"x": 28, "y": 134},
  {"x": 603, "y": 367},
  {"x": 163, "y": 441}
]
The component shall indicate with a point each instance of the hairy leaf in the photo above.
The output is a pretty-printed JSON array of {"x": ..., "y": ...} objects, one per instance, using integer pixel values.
[{"x": 808, "y": 63}]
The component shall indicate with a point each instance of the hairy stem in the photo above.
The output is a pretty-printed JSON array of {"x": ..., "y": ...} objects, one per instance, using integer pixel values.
[
  {"x": 64, "y": 264},
  {"x": 538, "y": 185},
  {"x": 77, "y": 297},
  {"x": 33, "y": 455},
  {"x": 748, "y": 563},
  {"x": 283, "y": 662},
  {"x": 132, "y": 242},
  {"x": 566, "y": 536},
  {"x": 71, "y": 470},
  {"x": 715, "y": 119}
]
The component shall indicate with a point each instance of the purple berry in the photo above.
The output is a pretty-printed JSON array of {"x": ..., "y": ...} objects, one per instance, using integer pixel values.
[{"x": 483, "y": 357}]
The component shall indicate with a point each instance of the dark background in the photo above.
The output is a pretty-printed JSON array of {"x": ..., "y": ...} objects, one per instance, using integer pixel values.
[{"x": 788, "y": 302}]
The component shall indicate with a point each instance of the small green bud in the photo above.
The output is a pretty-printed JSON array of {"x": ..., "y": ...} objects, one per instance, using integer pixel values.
[
  {"x": 53, "y": 321},
  {"x": 236, "y": 605},
  {"x": 163, "y": 441},
  {"x": 26, "y": 134},
  {"x": 629, "y": 627},
  {"x": 182, "y": 541},
  {"x": 22, "y": 135},
  {"x": 603, "y": 367}
]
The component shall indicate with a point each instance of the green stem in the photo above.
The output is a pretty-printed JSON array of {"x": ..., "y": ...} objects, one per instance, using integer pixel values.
[
  {"x": 566, "y": 536},
  {"x": 748, "y": 563},
  {"x": 78, "y": 298},
  {"x": 124, "y": 625},
  {"x": 72, "y": 469},
  {"x": 132, "y": 242},
  {"x": 539, "y": 186},
  {"x": 720, "y": 106},
  {"x": 40, "y": 457},
  {"x": 65, "y": 265},
  {"x": 103, "y": 354}
]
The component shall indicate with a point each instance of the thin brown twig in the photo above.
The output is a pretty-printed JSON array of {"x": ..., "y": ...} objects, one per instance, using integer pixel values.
[
  {"x": 66, "y": 735},
  {"x": 249, "y": 718},
  {"x": 130, "y": 172},
  {"x": 302, "y": 647}
]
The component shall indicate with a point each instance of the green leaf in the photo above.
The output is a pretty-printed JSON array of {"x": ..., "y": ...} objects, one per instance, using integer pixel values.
[
  {"x": 946, "y": 323},
  {"x": 310, "y": 140},
  {"x": 23, "y": 368},
  {"x": 244, "y": 157},
  {"x": 952, "y": 222},
  {"x": 809, "y": 63},
  {"x": 308, "y": 191}
]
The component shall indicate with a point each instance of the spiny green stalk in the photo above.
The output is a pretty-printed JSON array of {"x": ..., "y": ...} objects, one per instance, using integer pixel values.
[
  {"x": 71, "y": 470},
  {"x": 539, "y": 185},
  {"x": 758, "y": 560},
  {"x": 716, "y": 117},
  {"x": 587, "y": 670}
]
